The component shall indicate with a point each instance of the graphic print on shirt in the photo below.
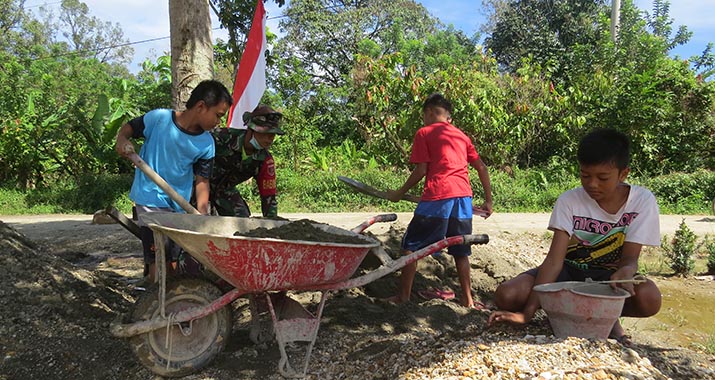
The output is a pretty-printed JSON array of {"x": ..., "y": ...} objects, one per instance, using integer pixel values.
[{"x": 597, "y": 244}]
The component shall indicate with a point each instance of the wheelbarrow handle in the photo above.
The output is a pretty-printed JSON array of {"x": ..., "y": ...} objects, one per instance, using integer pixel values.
[
  {"x": 476, "y": 239},
  {"x": 388, "y": 265},
  {"x": 154, "y": 176},
  {"x": 373, "y": 220}
]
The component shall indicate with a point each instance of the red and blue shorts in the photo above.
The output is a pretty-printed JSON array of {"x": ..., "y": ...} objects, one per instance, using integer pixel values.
[{"x": 435, "y": 220}]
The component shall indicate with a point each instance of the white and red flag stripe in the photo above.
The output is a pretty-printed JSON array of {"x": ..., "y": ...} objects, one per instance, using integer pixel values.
[{"x": 250, "y": 80}]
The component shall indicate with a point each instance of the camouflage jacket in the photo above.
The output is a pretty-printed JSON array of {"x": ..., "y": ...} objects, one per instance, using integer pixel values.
[{"x": 233, "y": 166}]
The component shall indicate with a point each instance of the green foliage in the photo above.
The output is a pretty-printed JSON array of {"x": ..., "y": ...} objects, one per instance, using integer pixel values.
[
  {"x": 12, "y": 202},
  {"x": 682, "y": 193},
  {"x": 515, "y": 120},
  {"x": 544, "y": 31},
  {"x": 91, "y": 37},
  {"x": 350, "y": 78},
  {"x": 89, "y": 194},
  {"x": 533, "y": 190},
  {"x": 300, "y": 190},
  {"x": 51, "y": 114},
  {"x": 321, "y": 191},
  {"x": 710, "y": 250},
  {"x": 325, "y": 37},
  {"x": 529, "y": 117},
  {"x": 681, "y": 249},
  {"x": 707, "y": 345},
  {"x": 235, "y": 16}
]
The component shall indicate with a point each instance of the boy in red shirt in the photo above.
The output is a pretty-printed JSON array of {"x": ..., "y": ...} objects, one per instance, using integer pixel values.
[{"x": 442, "y": 153}]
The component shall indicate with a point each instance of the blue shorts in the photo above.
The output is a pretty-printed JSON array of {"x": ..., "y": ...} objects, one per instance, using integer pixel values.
[{"x": 435, "y": 220}]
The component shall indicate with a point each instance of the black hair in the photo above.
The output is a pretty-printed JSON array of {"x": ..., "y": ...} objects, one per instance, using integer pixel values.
[
  {"x": 604, "y": 146},
  {"x": 212, "y": 92},
  {"x": 437, "y": 100}
]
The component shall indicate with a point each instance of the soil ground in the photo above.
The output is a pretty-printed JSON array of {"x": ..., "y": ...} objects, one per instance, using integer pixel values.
[{"x": 65, "y": 280}]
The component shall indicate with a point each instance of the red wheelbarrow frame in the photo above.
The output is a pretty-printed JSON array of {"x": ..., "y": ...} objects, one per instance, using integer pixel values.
[{"x": 298, "y": 325}]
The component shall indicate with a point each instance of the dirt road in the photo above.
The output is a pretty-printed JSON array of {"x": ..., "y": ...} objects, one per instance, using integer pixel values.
[
  {"x": 37, "y": 226},
  {"x": 65, "y": 291}
]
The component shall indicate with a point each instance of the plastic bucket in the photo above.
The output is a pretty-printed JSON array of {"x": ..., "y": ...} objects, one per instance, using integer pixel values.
[{"x": 581, "y": 309}]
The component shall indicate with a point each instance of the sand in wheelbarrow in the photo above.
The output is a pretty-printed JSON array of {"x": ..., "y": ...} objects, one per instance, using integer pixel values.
[{"x": 303, "y": 229}]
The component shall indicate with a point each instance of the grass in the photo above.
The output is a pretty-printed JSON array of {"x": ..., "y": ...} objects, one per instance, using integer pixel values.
[
  {"x": 318, "y": 190},
  {"x": 707, "y": 345},
  {"x": 654, "y": 261}
]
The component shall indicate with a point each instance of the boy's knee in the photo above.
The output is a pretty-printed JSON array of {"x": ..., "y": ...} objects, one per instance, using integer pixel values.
[
  {"x": 646, "y": 302},
  {"x": 506, "y": 296}
]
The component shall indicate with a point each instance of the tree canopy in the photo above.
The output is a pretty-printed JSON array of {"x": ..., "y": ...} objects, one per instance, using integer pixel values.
[{"x": 350, "y": 77}]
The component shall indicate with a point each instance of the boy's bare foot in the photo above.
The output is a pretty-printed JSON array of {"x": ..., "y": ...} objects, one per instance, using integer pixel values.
[
  {"x": 434, "y": 293},
  {"x": 619, "y": 334},
  {"x": 477, "y": 305},
  {"x": 501, "y": 316},
  {"x": 394, "y": 299}
]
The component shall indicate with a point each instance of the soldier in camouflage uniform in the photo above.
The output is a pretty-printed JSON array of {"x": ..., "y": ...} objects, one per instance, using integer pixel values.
[{"x": 242, "y": 154}]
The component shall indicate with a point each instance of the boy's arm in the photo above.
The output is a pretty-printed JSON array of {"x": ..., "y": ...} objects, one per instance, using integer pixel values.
[
  {"x": 548, "y": 272},
  {"x": 483, "y": 173},
  {"x": 124, "y": 146},
  {"x": 266, "y": 181},
  {"x": 202, "y": 195},
  {"x": 417, "y": 174},
  {"x": 628, "y": 265}
]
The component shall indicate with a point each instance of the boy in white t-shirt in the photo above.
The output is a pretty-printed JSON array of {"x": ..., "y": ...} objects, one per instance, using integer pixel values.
[{"x": 599, "y": 230}]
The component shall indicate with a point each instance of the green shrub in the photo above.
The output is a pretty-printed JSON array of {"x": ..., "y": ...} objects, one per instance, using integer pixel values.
[
  {"x": 681, "y": 249},
  {"x": 710, "y": 249},
  {"x": 532, "y": 190},
  {"x": 682, "y": 193},
  {"x": 86, "y": 195},
  {"x": 314, "y": 187},
  {"x": 13, "y": 202}
]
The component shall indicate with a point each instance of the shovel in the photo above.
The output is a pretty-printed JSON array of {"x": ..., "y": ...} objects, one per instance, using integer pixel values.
[
  {"x": 635, "y": 280},
  {"x": 369, "y": 190},
  {"x": 154, "y": 176}
]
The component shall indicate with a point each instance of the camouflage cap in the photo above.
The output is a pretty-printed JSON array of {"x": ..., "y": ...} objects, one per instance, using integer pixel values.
[{"x": 264, "y": 119}]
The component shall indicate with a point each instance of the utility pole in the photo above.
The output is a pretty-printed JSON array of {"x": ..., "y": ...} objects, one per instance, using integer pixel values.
[{"x": 615, "y": 19}]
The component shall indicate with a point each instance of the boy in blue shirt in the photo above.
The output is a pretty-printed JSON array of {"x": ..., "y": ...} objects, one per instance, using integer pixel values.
[{"x": 178, "y": 146}]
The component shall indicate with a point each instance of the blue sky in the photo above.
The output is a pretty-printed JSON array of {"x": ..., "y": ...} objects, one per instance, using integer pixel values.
[{"x": 149, "y": 19}]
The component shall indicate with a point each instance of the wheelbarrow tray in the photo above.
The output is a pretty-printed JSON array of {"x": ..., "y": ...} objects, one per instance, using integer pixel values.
[{"x": 262, "y": 264}]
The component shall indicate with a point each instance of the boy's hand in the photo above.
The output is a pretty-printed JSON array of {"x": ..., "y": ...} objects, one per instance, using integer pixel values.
[
  {"x": 393, "y": 195},
  {"x": 125, "y": 149},
  {"x": 485, "y": 210},
  {"x": 624, "y": 273}
]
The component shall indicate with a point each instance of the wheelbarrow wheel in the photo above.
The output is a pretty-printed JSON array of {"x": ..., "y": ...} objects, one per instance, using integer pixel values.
[{"x": 190, "y": 345}]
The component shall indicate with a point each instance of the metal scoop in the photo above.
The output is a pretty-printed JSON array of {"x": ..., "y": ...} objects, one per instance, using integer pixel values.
[{"x": 637, "y": 279}]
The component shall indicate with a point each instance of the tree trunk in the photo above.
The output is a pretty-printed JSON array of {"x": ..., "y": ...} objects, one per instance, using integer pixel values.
[{"x": 191, "y": 47}]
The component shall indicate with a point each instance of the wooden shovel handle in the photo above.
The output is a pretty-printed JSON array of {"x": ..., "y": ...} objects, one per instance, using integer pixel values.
[{"x": 154, "y": 176}]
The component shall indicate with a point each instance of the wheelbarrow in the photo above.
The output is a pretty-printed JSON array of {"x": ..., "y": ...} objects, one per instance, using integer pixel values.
[{"x": 183, "y": 325}]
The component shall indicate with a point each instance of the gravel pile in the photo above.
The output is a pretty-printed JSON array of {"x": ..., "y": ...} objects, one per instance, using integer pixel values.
[{"x": 55, "y": 317}]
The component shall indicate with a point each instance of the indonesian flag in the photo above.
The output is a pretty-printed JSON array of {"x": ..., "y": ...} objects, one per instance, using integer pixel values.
[{"x": 251, "y": 75}]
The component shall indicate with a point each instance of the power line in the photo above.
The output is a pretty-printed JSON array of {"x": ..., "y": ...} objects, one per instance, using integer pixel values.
[
  {"x": 40, "y": 5},
  {"x": 96, "y": 50}
]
